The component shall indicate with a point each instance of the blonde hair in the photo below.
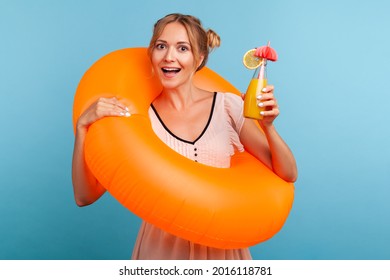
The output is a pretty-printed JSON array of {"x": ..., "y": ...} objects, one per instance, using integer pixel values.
[{"x": 202, "y": 41}]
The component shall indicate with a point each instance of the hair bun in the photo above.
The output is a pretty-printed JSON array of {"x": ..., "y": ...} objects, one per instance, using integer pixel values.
[{"x": 213, "y": 39}]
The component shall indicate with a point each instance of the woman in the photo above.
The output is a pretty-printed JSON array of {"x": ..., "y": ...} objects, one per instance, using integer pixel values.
[{"x": 204, "y": 126}]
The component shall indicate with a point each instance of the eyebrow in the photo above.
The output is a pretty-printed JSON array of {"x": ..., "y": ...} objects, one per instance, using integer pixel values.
[{"x": 178, "y": 43}]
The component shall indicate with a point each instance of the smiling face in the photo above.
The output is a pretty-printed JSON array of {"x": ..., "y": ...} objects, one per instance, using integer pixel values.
[{"x": 172, "y": 57}]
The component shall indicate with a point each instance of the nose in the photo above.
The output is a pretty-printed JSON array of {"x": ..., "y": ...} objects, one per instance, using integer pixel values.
[{"x": 170, "y": 55}]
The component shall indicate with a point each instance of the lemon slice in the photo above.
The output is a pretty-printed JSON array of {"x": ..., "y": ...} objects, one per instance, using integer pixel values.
[{"x": 250, "y": 60}]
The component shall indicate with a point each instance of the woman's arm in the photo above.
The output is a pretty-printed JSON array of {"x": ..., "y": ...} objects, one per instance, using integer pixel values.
[
  {"x": 269, "y": 147},
  {"x": 85, "y": 186}
]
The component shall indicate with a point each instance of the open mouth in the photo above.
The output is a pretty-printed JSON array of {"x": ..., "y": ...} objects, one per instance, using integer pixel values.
[{"x": 170, "y": 70}]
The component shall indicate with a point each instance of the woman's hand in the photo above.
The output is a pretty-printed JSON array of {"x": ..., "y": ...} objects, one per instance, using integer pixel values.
[
  {"x": 267, "y": 101},
  {"x": 102, "y": 107},
  {"x": 86, "y": 188},
  {"x": 269, "y": 147}
]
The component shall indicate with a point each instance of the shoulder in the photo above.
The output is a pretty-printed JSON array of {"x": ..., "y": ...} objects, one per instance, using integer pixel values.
[
  {"x": 231, "y": 101},
  {"x": 231, "y": 97},
  {"x": 232, "y": 105}
]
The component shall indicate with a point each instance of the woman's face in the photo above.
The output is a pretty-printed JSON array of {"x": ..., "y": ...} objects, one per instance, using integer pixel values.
[{"x": 172, "y": 57}]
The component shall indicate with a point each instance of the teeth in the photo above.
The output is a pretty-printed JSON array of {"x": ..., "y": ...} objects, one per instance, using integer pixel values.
[{"x": 171, "y": 70}]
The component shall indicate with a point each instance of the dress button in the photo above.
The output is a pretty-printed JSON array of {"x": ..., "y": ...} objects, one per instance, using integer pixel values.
[
  {"x": 196, "y": 155},
  {"x": 195, "y": 149}
]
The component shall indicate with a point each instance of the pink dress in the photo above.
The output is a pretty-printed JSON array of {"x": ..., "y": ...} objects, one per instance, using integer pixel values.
[{"x": 216, "y": 144}]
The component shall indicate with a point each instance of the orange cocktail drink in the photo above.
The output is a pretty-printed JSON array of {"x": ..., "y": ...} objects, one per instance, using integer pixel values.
[
  {"x": 251, "y": 108},
  {"x": 257, "y": 59}
]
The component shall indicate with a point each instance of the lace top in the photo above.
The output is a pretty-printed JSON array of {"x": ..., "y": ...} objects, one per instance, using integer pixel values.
[{"x": 216, "y": 144}]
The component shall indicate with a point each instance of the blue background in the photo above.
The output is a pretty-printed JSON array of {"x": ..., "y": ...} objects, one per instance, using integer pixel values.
[{"x": 331, "y": 83}]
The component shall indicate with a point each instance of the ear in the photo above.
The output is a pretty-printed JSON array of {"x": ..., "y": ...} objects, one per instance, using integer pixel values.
[{"x": 201, "y": 58}]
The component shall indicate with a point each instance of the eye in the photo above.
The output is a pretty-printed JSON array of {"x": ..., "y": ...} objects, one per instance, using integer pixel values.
[
  {"x": 183, "y": 48},
  {"x": 160, "y": 46}
]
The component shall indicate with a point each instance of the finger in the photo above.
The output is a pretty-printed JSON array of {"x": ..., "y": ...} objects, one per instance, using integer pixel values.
[
  {"x": 269, "y": 103},
  {"x": 119, "y": 103},
  {"x": 111, "y": 103},
  {"x": 267, "y": 97},
  {"x": 270, "y": 113},
  {"x": 111, "y": 110},
  {"x": 268, "y": 88}
]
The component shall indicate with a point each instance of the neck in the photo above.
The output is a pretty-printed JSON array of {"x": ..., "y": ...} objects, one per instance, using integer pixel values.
[{"x": 179, "y": 98}]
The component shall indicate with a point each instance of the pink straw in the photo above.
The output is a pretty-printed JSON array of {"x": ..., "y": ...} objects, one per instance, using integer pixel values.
[
  {"x": 263, "y": 64},
  {"x": 261, "y": 73}
]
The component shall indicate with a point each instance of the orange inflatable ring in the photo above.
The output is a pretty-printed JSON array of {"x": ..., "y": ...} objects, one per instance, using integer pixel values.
[{"x": 232, "y": 207}]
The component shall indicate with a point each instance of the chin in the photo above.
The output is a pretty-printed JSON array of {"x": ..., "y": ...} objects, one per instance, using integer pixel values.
[{"x": 169, "y": 84}]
